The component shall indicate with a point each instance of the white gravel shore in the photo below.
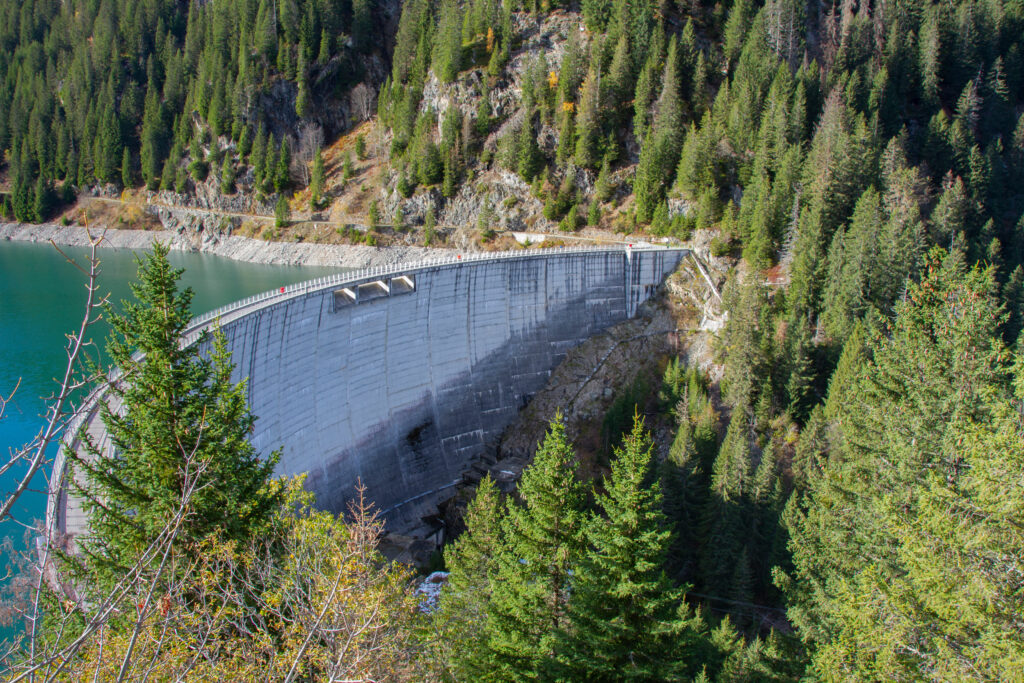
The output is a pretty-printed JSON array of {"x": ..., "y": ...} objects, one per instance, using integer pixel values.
[{"x": 233, "y": 247}]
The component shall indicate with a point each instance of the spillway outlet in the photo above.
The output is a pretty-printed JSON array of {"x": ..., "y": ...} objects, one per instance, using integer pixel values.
[
  {"x": 346, "y": 296},
  {"x": 368, "y": 291},
  {"x": 403, "y": 284}
]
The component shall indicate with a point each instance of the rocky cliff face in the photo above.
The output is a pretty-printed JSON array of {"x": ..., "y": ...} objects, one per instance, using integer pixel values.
[
  {"x": 494, "y": 191},
  {"x": 342, "y": 91}
]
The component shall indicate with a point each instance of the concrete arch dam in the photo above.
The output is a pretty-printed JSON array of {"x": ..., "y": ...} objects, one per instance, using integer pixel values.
[{"x": 401, "y": 377}]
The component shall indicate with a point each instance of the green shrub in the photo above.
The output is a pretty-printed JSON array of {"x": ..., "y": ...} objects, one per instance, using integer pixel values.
[{"x": 720, "y": 247}]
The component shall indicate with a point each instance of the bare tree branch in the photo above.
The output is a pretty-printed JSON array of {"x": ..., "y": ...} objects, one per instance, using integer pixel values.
[{"x": 35, "y": 451}]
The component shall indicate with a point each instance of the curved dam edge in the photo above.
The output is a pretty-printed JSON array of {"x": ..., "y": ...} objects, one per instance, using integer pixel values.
[{"x": 401, "y": 377}]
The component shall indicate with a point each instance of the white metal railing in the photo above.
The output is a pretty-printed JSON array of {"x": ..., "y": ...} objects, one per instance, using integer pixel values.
[{"x": 202, "y": 322}]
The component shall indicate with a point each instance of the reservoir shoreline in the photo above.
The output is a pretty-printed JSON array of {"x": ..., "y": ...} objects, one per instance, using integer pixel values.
[{"x": 227, "y": 246}]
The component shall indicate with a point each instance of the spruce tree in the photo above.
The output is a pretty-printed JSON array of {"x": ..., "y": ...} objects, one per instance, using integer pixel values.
[
  {"x": 282, "y": 212},
  {"x": 588, "y": 123},
  {"x": 602, "y": 187},
  {"x": 627, "y": 621},
  {"x": 429, "y": 223},
  {"x": 528, "y": 154},
  {"x": 874, "y": 532},
  {"x": 181, "y": 426},
  {"x": 472, "y": 562},
  {"x": 151, "y": 151},
  {"x": 244, "y": 144},
  {"x": 302, "y": 98},
  {"x": 724, "y": 522},
  {"x": 107, "y": 150},
  {"x": 127, "y": 176},
  {"x": 543, "y": 543},
  {"x": 282, "y": 172},
  {"x": 660, "y": 151},
  {"x": 447, "y": 59},
  {"x": 362, "y": 24},
  {"x": 42, "y": 199},
  {"x": 227, "y": 175}
]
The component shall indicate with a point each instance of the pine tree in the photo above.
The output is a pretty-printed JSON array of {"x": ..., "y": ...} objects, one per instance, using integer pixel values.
[
  {"x": 544, "y": 541},
  {"x": 627, "y": 622},
  {"x": 182, "y": 426}
]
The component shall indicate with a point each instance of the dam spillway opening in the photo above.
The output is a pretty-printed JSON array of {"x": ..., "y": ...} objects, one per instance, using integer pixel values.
[{"x": 403, "y": 378}]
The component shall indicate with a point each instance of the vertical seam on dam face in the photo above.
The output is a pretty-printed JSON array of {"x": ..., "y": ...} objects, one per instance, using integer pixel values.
[{"x": 405, "y": 388}]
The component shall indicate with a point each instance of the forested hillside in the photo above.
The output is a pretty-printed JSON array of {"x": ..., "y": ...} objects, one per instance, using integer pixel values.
[
  {"x": 847, "y": 477},
  {"x": 164, "y": 92},
  {"x": 846, "y": 503}
]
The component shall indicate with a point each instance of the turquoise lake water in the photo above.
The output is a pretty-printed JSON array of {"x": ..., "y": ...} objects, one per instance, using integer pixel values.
[{"x": 41, "y": 300}]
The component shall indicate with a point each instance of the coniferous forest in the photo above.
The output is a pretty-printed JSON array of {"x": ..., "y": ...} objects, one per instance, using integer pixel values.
[
  {"x": 163, "y": 92},
  {"x": 843, "y": 499}
]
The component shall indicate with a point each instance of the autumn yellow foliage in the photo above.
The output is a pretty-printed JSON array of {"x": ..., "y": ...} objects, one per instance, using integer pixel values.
[{"x": 318, "y": 603}]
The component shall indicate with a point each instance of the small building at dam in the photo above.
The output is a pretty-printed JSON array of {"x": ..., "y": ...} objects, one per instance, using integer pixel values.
[{"x": 400, "y": 378}]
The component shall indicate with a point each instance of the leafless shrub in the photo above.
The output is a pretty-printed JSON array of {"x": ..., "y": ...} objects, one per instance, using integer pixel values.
[
  {"x": 310, "y": 140},
  {"x": 364, "y": 102}
]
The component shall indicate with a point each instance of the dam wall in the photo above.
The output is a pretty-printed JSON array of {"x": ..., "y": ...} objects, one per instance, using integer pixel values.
[{"x": 400, "y": 378}]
